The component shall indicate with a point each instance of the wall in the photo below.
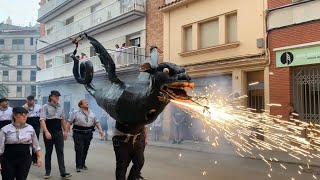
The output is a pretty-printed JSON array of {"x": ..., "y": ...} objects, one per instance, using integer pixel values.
[
  {"x": 249, "y": 13},
  {"x": 154, "y": 21}
]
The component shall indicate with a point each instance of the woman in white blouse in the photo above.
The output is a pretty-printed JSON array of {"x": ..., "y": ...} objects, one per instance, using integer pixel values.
[{"x": 15, "y": 142}]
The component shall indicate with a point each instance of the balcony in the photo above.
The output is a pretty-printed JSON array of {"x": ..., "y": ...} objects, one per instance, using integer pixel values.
[
  {"x": 111, "y": 16},
  {"x": 18, "y": 48},
  {"x": 123, "y": 59},
  {"x": 53, "y": 8}
]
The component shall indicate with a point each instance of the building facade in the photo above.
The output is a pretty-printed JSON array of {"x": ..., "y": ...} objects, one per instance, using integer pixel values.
[
  {"x": 19, "y": 73},
  {"x": 213, "y": 41},
  {"x": 111, "y": 22},
  {"x": 221, "y": 43},
  {"x": 294, "y": 43}
]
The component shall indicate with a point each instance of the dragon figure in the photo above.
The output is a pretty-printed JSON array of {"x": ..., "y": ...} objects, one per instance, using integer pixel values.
[{"x": 136, "y": 103}]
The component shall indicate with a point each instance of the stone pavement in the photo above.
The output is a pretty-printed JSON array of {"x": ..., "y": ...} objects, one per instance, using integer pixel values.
[{"x": 227, "y": 149}]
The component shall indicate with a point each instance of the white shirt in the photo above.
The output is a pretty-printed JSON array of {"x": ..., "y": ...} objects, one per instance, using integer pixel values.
[
  {"x": 6, "y": 114},
  {"x": 34, "y": 111}
]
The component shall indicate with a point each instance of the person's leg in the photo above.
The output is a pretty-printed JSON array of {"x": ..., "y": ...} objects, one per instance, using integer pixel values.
[
  {"x": 78, "y": 147},
  {"x": 176, "y": 133},
  {"x": 157, "y": 133},
  {"x": 49, "y": 147},
  {"x": 123, "y": 159},
  {"x": 137, "y": 159},
  {"x": 59, "y": 144},
  {"x": 8, "y": 170},
  {"x": 23, "y": 167},
  {"x": 180, "y": 133},
  {"x": 87, "y": 140}
]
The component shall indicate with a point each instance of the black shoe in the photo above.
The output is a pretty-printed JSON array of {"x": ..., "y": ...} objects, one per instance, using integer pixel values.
[
  {"x": 47, "y": 176},
  {"x": 141, "y": 178},
  {"x": 85, "y": 167},
  {"x": 65, "y": 175}
]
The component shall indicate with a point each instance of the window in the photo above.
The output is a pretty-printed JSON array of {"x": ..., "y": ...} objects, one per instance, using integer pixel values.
[
  {"x": 95, "y": 7},
  {"x": 69, "y": 20},
  {"x": 5, "y": 75},
  {"x": 33, "y": 75},
  {"x": 31, "y": 41},
  {"x": 18, "y": 44},
  {"x": 49, "y": 63},
  {"x": 1, "y": 43},
  {"x": 209, "y": 33},
  {"x": 33, "y": 60},
  {"x": 19, "y": 75},
  {"x": 17, "y": 41},
  {"x": 49, "y": 31},
  {"x": 19, "y": 60},
  {"x": 188, "y": 38},
  {"x": 92, "y": 52},
  {"x": 33, "y": 90},
  {"x": 67, "y": 58},
  {"x": 19, "y": 91},
  {"x": 135, "y": 41},
  {"x": 232, "y": 29},
  {"x": 44, "y": 99}
]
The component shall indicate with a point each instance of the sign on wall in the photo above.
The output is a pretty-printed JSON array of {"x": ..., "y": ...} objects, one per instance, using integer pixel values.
[{"x": 297, "y": 57}]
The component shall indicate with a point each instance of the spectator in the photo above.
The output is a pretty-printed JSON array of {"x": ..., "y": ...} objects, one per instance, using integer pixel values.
[
  {"x": 83, "y": 56},
  {"x": 178, "y": 119},
  {"x": 104, "y": 124},
  {"x": 156, "y": 128}
]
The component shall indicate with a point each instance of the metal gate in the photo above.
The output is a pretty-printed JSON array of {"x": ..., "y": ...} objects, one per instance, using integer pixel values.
[{"x": 306, "y": 94}]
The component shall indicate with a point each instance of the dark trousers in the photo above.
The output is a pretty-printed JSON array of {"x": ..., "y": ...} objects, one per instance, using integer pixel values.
[
  {"x": 34, "y": 155},
  {"x": 125, "y": 153},
  {"x": 58, "y": 141},
  {"x": 16, "y": 164},
  {"x": 81, "y": 146}
]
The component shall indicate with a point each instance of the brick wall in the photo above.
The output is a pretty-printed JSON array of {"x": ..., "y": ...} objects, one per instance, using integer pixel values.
[
  {"x": 41, "y": 62},
  {"x": 154, "y": 26},
  {"x": 280, "y": 91}
]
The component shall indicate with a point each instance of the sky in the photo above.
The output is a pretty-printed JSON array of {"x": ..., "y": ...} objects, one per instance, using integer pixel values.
[{"x": 21, "y": 12}]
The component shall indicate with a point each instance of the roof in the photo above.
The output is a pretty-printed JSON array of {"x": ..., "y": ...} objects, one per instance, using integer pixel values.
[
  {"x": 7, "y": 28},
  {"x": 169, "y": 4}
]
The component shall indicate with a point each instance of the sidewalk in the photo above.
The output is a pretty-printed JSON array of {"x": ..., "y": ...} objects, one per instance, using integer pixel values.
[{"x": 226, "y": 149}]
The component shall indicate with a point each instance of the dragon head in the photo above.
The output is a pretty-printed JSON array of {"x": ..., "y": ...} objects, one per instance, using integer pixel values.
[{"x": 171, "y": 80}]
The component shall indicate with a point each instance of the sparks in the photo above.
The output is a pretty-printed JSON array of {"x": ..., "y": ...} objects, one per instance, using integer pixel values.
[{"x": 244, "y": 128}]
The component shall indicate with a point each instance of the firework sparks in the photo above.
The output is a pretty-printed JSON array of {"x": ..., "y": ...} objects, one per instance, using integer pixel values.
[{"x": 250, "y": 131}]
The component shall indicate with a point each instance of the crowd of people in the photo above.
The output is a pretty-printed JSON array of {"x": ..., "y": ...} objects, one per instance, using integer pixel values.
[
  {"x": 21, "y": 126},
  {"x": 20, "y": 130}
]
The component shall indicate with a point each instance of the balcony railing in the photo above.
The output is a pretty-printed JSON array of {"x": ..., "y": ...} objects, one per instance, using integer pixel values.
[
  {"x": 95, "y": 19},
  {"x": 122, "y": 58},
  {"x": 49, "y": 6}
]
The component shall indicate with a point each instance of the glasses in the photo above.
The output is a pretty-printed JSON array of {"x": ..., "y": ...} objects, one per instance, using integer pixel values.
[{"x": 23, "y": 114}]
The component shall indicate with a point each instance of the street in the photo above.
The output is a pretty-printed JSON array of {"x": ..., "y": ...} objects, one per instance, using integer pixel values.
[{"x": 166, "y": 163}]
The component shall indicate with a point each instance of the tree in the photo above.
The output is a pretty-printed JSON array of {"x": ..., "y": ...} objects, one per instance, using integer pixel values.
[{"x": 4, "y": 61}]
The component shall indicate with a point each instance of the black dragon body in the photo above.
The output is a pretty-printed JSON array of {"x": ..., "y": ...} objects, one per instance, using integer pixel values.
[{"x": 135, "y": 103}]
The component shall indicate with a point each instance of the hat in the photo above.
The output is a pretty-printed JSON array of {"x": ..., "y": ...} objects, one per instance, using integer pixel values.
[
  {"x": 3, "y": 99},
  {"x": 30, "y": 97},
  {"x": 55, "y": 93},
  {"x": 18, "y": 110}
]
